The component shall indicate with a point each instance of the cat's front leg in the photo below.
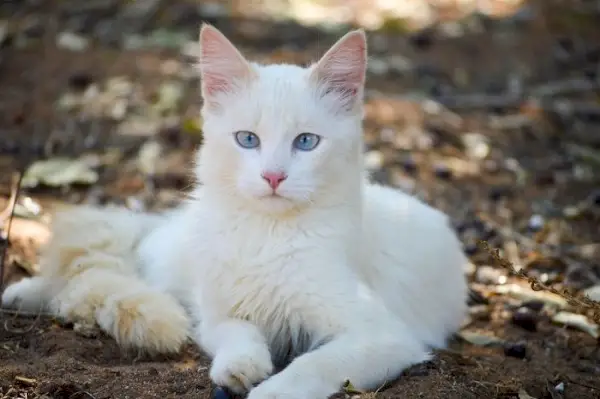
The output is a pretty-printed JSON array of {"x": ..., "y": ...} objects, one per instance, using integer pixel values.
[
  {"x": 367, "y": 356},
  {"x": 240, "y": 353}
]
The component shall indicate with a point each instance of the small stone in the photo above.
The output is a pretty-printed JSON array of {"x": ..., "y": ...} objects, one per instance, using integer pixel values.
[
  {"x": 595, "y": 198},
  {"x": 378, "y": 66},
  {"x": 422, "y": 40},
  {"x": 409, "y": 165},
  {"x": 443, "y": 172},
  {"x": 470, "y": 249},
  {"x": 480, "y": 312},
  {"x": 80, "y": 80},
  {"x": 497, "y": 193},
  {"x": 560, "y": 387},
  {"x": 476, "y": 145},
  {"x": 518, "y": 350},
  {"x": 525, "y": 318},
  {"x": 475, "y": 298},
  {"x": 400, "y": 64},
  {"x": 212, "y": 10},
  {"x": 535, "y": 223},
  {"x": 71, "y": 41},
  {"x": 221, "y": 393},
  {"x": 534, "y": 305},
  {"x": 374, "y": 160},
  {"x": 489, "y": 275},
  {"x": 580, "y": 276},
  {"x": 119, "y": 109},
  {"x": 593, "y": 293},
  {"x": 571, "y": 212},
  {"x": 33, "y": 28}
]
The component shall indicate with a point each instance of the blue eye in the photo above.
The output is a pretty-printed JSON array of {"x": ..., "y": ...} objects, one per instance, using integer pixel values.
[
  {"x": 306, "y": 141},
  {"x": 247, "y": 139}
]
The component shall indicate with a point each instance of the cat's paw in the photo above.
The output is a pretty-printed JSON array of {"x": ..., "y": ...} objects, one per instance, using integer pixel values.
[
  {"x": 15, "y": 295},
  {"x": 240, "y": 368},
  {"x": 291, "y": 386},
  {"x": 10, "y": 297}
]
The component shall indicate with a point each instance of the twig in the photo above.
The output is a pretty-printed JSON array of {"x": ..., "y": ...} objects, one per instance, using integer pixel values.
[
  {"x": 25, "y": 313},
  {"x": 561, "y": 87},
  {"x": 82, "y": 393},
  {"x": 579, "y": 302},
  {"x": 8, "y": 214},
  {"x": 523, "y": 240}
]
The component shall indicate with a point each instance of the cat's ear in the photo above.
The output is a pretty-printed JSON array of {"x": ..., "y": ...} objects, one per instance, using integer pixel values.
[
  {"x": 340, "y": 73},
  {"x": 223, "y": 69}
]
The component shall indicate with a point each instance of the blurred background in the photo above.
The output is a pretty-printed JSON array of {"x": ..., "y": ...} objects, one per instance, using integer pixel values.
[{"x": 486, "y": 109}]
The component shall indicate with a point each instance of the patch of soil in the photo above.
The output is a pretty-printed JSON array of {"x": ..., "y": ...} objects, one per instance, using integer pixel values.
[{"x": 39, "y": 357}]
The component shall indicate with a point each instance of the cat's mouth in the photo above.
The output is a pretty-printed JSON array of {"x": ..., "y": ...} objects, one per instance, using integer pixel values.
[{"x": 273, "y": 195}]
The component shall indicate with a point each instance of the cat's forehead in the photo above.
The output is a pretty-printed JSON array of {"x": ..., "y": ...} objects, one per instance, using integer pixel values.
[{"x": 278, "y": 78}]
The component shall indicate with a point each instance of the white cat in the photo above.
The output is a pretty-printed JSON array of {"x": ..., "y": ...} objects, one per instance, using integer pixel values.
[{"x": 284, "y": 252}]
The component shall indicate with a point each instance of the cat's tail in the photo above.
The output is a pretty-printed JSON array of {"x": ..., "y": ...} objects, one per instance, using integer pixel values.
[
  {"x": 89, "y": 276},
  {"x": 125, "y": 307}
]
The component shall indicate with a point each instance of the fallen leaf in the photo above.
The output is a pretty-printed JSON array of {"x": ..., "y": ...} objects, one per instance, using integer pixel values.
[
  {"x": 350, "y": 389},
  {"x": 192, "y": 126},
  {"x": 577, "y": 321},
  {"x": 25, "y": 380},
  {"x": 524, "y": 395},
  {"x": 527, "y": 294},
  {"x": 59, "y": 172},
  {"x": 593, "y": 293},
  {"x": 480, "y": 339},
  {"x": 187, "y": 364},
  {"x": 148, "y": 157}
]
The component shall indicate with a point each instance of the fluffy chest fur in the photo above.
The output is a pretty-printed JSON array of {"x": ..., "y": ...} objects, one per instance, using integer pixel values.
[{"x": 275, "y": 273}]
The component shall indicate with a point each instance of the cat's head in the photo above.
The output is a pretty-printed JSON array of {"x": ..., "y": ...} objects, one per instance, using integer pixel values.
[{"x": 280, "y": 137}]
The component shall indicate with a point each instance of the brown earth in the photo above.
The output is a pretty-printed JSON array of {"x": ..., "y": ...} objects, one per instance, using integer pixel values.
[{"x": 544, "y": 165}]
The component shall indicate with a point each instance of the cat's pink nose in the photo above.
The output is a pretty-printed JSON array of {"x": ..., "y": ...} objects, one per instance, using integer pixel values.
[{"x": 274, "y": 178}]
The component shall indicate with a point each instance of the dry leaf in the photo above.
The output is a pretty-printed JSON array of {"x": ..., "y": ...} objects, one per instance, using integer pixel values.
[
  {"x": 480, "y": 339},
  {"x": 59, "y": 172},
  {"x": 527, "y": 294},
  {"x": 524, "y": 395},
  {"x": 577, "y": 321}
]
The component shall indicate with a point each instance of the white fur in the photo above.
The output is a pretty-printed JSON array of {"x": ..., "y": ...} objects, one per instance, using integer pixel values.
[{"x": 346, "y": 279}]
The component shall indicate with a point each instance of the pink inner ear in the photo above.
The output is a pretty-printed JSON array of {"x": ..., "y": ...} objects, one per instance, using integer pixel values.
[
  {"x": 222, "y": 67},
  {"x": 342, "y": 69}
]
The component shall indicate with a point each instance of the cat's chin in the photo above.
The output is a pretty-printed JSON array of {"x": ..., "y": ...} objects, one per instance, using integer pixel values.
[{"x": 276, "y": 204}]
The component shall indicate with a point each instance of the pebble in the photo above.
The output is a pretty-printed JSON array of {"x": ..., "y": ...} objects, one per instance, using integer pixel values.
[
  {"x": 595, "y": 198},
  {"x": 476, "y": 145},
  {"x": 534, "y": 305},
  {"x": 581, "y": 276},
  {"x": 409, "y": 165},
  {"x": 220, "y": 393},
  {"x": 593, "y": 293},
  {"x": 497, "y": 193},
  {"x": 422, "y": 40},
  {"x": 535, "y": 223},
  {"x": 443, "y": 172},
  {"x": 80, "y": 80},
  {"x": 525, "y": 318},
  {"x": 4, "y": 36},
  {"x": 119, "y": 109},
  {"x": 476, "y": 298},
  {"x": 374, "y": 160},
  {"x": 470, "y": 249},
  {"x": 400, "y": 64},
  {"x": 71, "y": 41},
  {"x": 378, "y": 66},
  {"x": 490, "y": 275},
  {"x": 518, "y": 350}
]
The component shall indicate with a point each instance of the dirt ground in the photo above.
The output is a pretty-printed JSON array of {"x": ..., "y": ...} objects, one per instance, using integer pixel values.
[{"x": 493, "y": 121}]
